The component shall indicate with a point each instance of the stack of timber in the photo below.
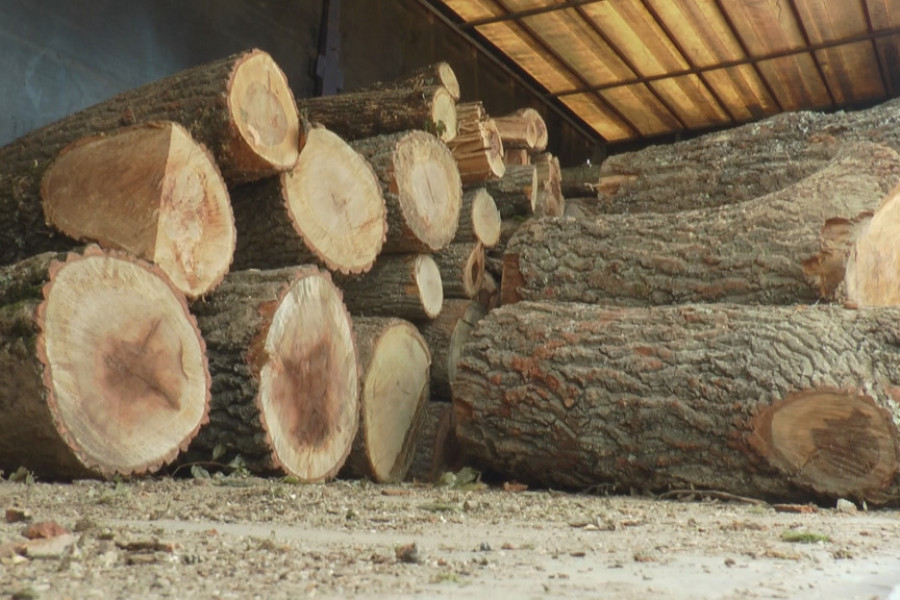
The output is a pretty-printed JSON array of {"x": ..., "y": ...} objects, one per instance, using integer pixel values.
[{"x": 477, "y": 148}]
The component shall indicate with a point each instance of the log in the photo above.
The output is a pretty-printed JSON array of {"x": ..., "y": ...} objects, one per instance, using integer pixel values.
[
  {"x": 489, "y": 294},
  {"x": 550, "y": 201},
  {"x": 285, "y": 387},
  {"x": 395, "y": 363},
  {"x": 524, "y": 128},
  {"x": 479, "y": 219},
  {"x": 780, "y": 403},
  {"x": 374, "y": 112},
  {"x": 435, "y": 74},
  {"x": 462, "y": 269},
  {"x": 516, "y": 156},
  {"x": 421, "y": 186},
  {"x": 445, "y": 336},
  {"x": 743, "y": 162},
  {"x": 407, "y": 286},
  {"x": 329, "y": 210},
  {"x": 872, "y": 276},
  {"x": 581, "y": 181},
  {"x": 789, "y": 246},
  {"x": 150, "y": 190},
  {"x": 477, "y": 147},
  {"x": 438, "y": 450},
  {"x": 516, "y": 194},
  {"x": 105, "y": 370}
]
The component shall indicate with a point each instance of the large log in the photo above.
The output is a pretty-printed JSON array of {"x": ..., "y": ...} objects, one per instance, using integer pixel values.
[
  {"x": 240, "y": 108},
  {"x": 462, "y": 269},
  {"x": 104, "y": 369},
  {"x": 422, "y": 189},
  {"x": 329, "y": 209},
  {"x": 740, "y": 163},
  {"x": 395, "y": 363},
  {"x": 285, "y": 387},
  {"x": 373, "y": 112},
  {"x": 479, "y": 219},
  {"x": 151, "y": 190},
  {"x": 789, "y": 246},
  {"x": 435, "y": 74},
  {"x": 407, "y": 286},
  {"x": 445, "y": 335},
  {"x": 782, "y": 403}
]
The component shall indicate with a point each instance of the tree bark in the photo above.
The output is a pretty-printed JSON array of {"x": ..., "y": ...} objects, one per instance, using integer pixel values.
[
  {"x": 479, "y": 219},
  {"x": 445, "y": 336},
  {"x": 438, "y": 449},
  {"x": 151, "y": 190},
  {"x": 374, "y": 112},
  {"x": 435, "y": 74},
  {"x": 407, "y": 286},
  {"x": 105, "y": 371},
  {"x": 781, "y": 403},
  {"x": 790, "y": 246},
  {"x": 285, "y": 387},
  {"x": 516, "y": 194},
  {"x": 421, "y": 186},
  {"x": 329, "y": 209},
  {"x": 524, "y": 128},
  {"x": 462, "y": 269},
  {"x": 395, "y": 362},
  {"x": 743, "y": 162}
]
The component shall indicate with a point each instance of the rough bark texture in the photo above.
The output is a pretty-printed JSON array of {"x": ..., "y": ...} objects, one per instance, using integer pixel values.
[
  {"x": 437, "y": 450},
  {"x": 479, "y": 219},
  {"x": 373, "y": 112},
  {"x": 329, "y": 209},
  {"x": 446, "y": 335},
  {"x": 200, "y": 99},
  {"x": 743, "y": 162},
  {"x": 782, "y": 403},
  {"x": 789, "y": 246},
  {"x": 462, "y": 269},
  {"x": 440, "y": 73},
  {"x": 516, "y": 193},
  {"x": 407, "y": 286},
  {"x": 105, "y": 371},
  {"x": 580, "y": 182},
  {"x": 151, "y": 190},
  {"x": 284, "y": 374},
  {"x": 395, "y": 365},
  {"x": 422, "y": 189}
]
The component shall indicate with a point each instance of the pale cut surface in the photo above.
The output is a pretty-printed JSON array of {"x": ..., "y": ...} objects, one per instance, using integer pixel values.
[
  {"x": 873, "y": 269},
  {"x": 485, "y": 219},
  {"x": 429, "y": 188},
  {"x": 150, "y": 190},
  {"x": 444, "y": 114},
  {"x": 431, "y": 288},
  {"x": 309, "y": 385},
  {"x": 335, "y": 203},
  {"x": 124, "y": 362},
  {"x": 395, "y": 386},
  {"x": 265, "y": 112}
]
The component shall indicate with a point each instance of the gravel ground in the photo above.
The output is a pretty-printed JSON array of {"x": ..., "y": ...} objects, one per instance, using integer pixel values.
[{"x": 246, "y": 537}]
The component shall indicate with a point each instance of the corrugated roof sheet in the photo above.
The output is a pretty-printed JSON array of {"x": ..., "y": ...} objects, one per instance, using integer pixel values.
[{"x": 635, "y": 69}]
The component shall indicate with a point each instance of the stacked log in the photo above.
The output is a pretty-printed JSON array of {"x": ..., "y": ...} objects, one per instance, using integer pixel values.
[
  {"x": 477, "y": 148},
  {"x": 479, "y": 219},
  {"x": 435, "y": 74}
]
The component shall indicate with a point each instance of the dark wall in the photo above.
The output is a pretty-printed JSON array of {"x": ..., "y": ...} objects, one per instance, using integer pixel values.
[{"x": 59, "y": 56}]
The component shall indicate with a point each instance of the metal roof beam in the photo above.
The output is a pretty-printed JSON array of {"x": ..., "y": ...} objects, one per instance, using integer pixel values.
[{"x": 515, "y": 16}]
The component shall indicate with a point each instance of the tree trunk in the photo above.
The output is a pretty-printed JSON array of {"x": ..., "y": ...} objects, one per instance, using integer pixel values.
[
  {"x": 462, "y": 269},
  {"x": 550, "y": 201},
  {"x": 437, "y": 450},
  {"x": 446, "y": 335},
  {"x": 580, "y": 182},
  {"x": 782, "y": 403},
  {"x": 524, "y": 128},
  {"x": 743, "y": 162},
  {"x": 375, "y": 112},
  {"x": 285, "y": 393},
  {"x": 479, "y": 219},
  {"x": 790, "y": 246},
  {"x": 435, "y": 74},
  {"x": 421, "y": 186},
  {"x": 394, "y": 360},
  {"x": 105, "y": 371},
  {"x": 407, "y": 286},
  {"x": 329, "y": 209},
  {"x": 151, "y": 190},
  {"x": 516, "y": 194},
  {"x": 477, "y": 148}
]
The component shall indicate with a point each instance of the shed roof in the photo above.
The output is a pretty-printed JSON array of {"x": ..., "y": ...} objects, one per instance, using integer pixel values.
[{"x": 636, "y": 69}]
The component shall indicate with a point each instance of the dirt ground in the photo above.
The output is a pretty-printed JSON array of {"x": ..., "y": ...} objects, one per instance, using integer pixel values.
[{"x": 246, "y": 537}]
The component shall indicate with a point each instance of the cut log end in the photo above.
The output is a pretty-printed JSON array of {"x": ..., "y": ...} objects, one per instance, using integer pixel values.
[
  {"x": 443, "y": 115},
  {"x": 429, "y": 188},
  {"x": 873, "y": 269},
  {"x": 308, "y": 393},
  {"x": 166, "y": 202},
  {"x": 335, "y": 203},
  {"x": 124, "y": 363},
  {"x": 838, "y": 443},
  {"x": 265, "y": 116},
  {"x": 428, "y": 280},
  {"x": 485, "y": 219}
]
